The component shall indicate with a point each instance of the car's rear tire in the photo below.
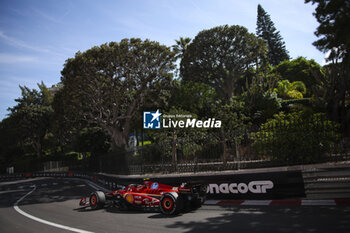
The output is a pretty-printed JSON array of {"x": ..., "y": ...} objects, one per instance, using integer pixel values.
[
  {"x": 170, "y": 204},
  {"x": 97, "y": 200}
]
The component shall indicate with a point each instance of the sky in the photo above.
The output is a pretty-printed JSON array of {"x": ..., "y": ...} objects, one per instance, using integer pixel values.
[{"x": 37, "y": 37}]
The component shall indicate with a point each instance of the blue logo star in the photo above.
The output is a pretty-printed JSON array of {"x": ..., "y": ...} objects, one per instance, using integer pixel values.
[{"x": 151, "y": 120}]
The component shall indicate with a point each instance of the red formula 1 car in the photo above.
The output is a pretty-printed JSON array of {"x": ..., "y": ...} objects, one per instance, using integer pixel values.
[{"x": 169, "y": 199}]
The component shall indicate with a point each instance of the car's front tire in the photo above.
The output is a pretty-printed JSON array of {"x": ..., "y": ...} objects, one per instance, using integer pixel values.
[{"x": 97, "y": 200}]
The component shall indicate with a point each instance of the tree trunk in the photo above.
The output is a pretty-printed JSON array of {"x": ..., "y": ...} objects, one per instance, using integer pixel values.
[
  {"x": 38, "y": 148},
  {"x": 229, "y": 87},
  {"x": 118, "y": 138},
  {"x": 119, "y": 158}
]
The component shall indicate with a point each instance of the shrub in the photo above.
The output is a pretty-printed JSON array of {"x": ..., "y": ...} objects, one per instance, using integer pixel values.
[{"x": 296, "y": 137}]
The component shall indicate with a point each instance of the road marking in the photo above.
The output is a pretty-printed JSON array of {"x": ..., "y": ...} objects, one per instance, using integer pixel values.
[
  {"x": 318, "y": 202},
  {"x": 256, "y": 202},
  {"x": 230, "y": 202},
  {"x": 15, "y": 206},
  {"x": 211, "y": 202}
]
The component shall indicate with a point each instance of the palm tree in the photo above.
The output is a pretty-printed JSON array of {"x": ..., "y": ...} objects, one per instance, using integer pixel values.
[{"x": 180, "y": 47}]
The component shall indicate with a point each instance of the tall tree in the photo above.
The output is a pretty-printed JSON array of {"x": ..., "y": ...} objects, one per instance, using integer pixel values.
[
  {"x": 334, "y": 19},
  {"x": 332, "y": 94},
  {"x": 10, "y": 147},
  {"x": 267, "y": 31},
  {"x": 33, "y": 115},
  {"x": 109, "y": 84},
  {"x": 220, "y": 56},
  {"x": 180, "y": 46}
]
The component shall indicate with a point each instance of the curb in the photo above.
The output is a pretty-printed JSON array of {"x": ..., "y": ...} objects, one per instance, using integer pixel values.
[{"x": 292, "y": 202}]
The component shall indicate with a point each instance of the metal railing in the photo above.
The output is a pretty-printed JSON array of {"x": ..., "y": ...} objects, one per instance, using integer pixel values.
[
  {"x": 273, "y": 145},
  {"x": 276, "y": 145}
]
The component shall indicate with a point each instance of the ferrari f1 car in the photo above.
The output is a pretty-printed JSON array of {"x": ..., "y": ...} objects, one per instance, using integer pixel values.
[{"x": 169, "y": 199}]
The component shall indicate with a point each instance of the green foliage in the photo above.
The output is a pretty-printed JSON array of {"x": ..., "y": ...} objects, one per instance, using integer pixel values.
[
  {"x": 334, "y": 20},
  {"x": 224, "y": 75},
  {"x": 10, "y": 147},
  {"x": 41, "y": 97},
  {"x": 287, "y": 90},
  {"x": 264, "y": 105},
  {"x": 151, "y": 153},
  {"x": 109, "y": 84},
  {"x": 260, "y": 102},
  {"x": 180, "y": 47},
  {"x": 172, "y": 139},
  {"x": 331, "y": 93},
  {"x": 66, "y": 121},
  {"x": 220, "y": 56},
  {"x": 296, "y": 137},
  {"x": 300, "y": 69},
  {"x": 333, "y": 89},
  {"x": 193, "y": 97},
  {"x": 92, "y": 139},
  {"x": 232, "y": 114},
  {"x": 266, "y": 30},
  {"x": 33, "y": 117}
]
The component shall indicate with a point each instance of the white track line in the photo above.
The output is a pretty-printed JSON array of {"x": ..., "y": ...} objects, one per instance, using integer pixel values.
[
  {"x": 211, "y": 202},
  {"x": 15, "y": 206},
  {"x": 317, "y": 202}
]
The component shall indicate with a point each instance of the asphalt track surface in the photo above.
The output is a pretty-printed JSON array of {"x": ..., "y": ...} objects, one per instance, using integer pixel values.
[{"x": 56, "y": 201}]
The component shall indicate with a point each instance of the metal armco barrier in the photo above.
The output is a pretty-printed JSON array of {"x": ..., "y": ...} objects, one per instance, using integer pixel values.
[
  {"x": 257, "y": 186},
  {"x": 327, "y": 183},
  {"x": 314, "y": 183}
]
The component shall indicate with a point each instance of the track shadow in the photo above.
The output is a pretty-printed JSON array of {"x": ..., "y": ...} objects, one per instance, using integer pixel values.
[
  {"x": 133, "y": 211},
  {"x": 296, "y": 219},
  {"x": 116, "y": 210}
]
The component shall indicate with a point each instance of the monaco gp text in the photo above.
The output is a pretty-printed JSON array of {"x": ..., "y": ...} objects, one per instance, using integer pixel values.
[{"x": 253, "y": 187}]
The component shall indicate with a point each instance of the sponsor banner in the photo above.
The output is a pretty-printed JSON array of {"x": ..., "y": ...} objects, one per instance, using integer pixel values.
[{"x": 258, "y": 186}]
